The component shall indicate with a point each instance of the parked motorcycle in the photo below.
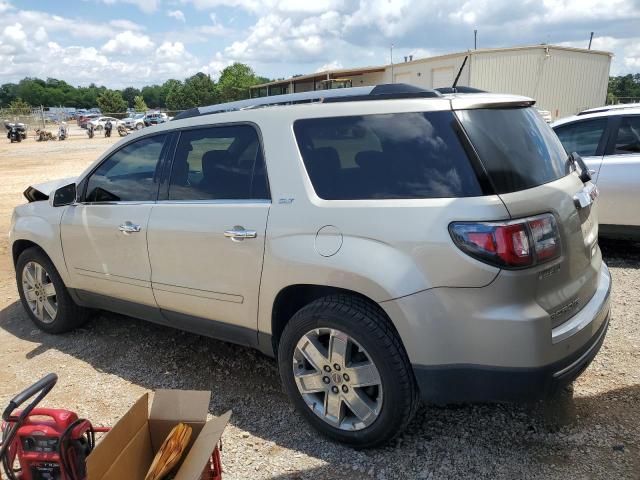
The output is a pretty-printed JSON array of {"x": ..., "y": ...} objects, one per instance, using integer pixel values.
[
  {"x": 107, "y": 128},
  {"x": 122, "y": 131},
  {"x": 16, "y": 132},
  {"x": 62, "y": 131}
]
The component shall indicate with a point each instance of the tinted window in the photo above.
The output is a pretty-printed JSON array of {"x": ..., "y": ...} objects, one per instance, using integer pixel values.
[
  {"x": 519, "y": 150},
  {"x": 582, "y": 137},
  {"x": 223, "y": 163},
  {"x": 129, "y": 174},
  {"x": 628, "y": 137},
  {"x": 403, "y": 155}
]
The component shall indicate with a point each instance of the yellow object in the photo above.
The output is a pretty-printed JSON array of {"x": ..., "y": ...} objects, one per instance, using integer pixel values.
[{"x": 170, "y": 452}]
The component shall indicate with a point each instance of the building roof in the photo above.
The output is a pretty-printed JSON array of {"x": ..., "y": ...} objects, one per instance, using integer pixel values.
[{"x": 360, "y": 71}]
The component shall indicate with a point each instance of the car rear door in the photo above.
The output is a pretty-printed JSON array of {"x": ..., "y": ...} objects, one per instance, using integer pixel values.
[
  {"x": 619, "y": 178},
  {"x": 207, "y": 234},
  {"x": 104, "y": 234}
]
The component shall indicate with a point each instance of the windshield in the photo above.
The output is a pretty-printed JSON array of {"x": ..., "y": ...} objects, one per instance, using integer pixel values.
[{"x": 516, "y": 146}]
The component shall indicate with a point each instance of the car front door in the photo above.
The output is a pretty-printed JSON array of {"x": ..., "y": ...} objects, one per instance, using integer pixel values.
[
  {"x": 206, "y": 235},
  {"x": 619, "y": 179},
  {"x": 104, "y": 234},
  {"x": 587, "y": 138}
]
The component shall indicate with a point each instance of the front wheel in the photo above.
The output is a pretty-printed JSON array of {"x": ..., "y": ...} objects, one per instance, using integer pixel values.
[
  {"x": 345, "y": 369},
  {"x": 44, "y": 295}
]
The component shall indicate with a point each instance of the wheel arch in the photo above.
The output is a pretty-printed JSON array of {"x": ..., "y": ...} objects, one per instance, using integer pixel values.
[{"x": 292, "y": 298}]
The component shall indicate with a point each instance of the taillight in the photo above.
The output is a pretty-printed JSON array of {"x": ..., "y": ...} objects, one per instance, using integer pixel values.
[{"x": 513, "y": 244}]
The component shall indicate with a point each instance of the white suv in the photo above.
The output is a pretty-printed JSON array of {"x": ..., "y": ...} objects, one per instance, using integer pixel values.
[
  {"x": 608, "y": 139},
  {"x": 384, "y": 243}
]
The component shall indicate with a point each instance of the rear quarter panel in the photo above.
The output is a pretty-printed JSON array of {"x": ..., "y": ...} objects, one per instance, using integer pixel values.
[{"x": 389, "y": 248}]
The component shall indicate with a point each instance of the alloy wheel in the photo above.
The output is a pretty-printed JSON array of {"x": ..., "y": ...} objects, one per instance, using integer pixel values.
[
  {"x": 39, "y": 292},
  {"x": 337, "y": 379}
]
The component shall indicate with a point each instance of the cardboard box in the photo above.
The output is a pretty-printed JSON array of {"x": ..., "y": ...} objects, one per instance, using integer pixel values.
[{"x": 128, "y": 449}]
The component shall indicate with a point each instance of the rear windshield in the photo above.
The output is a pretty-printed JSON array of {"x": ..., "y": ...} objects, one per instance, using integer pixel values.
[
  {"x": 516, "y": 146},
  {"x": 401, "y": 155}
]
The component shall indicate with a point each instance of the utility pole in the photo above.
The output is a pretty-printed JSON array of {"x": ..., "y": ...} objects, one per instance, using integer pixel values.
[
  {"x": 391, "y": 56},
  {"x": 590, "y": 39},
  {"x": 475, "y": 39}
]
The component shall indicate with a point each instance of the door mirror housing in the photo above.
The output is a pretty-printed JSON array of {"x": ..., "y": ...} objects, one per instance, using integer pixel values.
[{"x": 65, "y": 195}]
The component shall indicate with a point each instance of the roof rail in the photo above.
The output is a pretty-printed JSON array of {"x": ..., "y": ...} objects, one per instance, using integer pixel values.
[{"x": 378, "y": 92}]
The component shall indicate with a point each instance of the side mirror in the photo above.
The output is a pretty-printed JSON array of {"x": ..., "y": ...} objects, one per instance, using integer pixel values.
[{"x": 65, "y": 195}]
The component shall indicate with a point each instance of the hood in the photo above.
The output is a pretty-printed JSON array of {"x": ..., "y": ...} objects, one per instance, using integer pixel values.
[{"x": 41, "y": 191}]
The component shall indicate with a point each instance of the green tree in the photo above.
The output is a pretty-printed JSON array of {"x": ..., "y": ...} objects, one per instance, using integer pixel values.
[
  {"x": 235, "y": 81},
  {"x": 129, "y": 94},
  {"x": 8, "y": 93},
  {"x": 111, "y": 101},
  {"x": 139, "y": 104},
  {"x": 196, "y": 91},
  {"x": 20, "y": 107}
]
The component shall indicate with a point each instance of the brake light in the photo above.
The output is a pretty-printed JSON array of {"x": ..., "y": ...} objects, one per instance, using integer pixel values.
[{"x": 514, "y": 244}]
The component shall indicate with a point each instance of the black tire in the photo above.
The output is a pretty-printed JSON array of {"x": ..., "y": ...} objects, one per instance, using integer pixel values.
[
  {"x": 68, "y": 315},
  {"x": 368, "y": 325}
]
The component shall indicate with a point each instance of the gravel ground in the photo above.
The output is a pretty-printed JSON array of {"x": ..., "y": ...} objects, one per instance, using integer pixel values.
[{"x": 592, "y": 431}]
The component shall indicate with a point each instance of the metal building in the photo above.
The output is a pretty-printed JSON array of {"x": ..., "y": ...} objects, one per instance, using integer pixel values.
[{"x": 563, "y": 80}]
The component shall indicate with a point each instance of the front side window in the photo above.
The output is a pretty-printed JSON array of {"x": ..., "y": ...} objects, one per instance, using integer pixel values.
[
  {"x": 389, "y": 156},
  {"x": 129, "y": 175},
  {"x": 582, "y": 137},
  {"x": 218, "y": 163},
  {"x": 628, "y": 136}
]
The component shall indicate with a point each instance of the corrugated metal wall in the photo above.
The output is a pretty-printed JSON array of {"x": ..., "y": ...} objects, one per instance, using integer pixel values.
[{"x": 562, "y": 81}]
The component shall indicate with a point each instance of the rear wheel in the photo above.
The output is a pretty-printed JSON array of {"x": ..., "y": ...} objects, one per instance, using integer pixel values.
[
  {"x": 44, "y": 295},
  {"x": 345, "y": 369}
]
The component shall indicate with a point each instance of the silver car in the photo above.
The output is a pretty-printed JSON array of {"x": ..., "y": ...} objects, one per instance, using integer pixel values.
[
  {"x": 385, "y": 244},
  {"x": 608, "y": 139}
]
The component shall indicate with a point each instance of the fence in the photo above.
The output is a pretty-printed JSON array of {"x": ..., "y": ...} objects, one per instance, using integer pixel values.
[{"x": 46, "y": 118}]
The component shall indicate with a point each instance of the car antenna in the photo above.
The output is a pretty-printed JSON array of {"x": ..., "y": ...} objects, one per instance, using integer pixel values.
[{"x": 455, "y": 82}]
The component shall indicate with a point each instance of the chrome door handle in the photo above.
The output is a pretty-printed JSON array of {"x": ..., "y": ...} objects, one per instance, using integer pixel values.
[
  {"x": 238, "y": 233},
  {"x": 128, "y": 227}
]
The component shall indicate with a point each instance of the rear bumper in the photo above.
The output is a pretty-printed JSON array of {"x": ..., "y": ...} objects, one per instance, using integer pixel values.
[
  {"x": 456, "y": 384},
  {"x": 465, "y": 345}
]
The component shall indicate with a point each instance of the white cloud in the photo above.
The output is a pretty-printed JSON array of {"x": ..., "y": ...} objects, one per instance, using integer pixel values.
[
  {"x": 128, "y": 42},
  {"x": 334, "y": 65},
  {"x": 177, "y": 14},
  {"x": 147, "y": 6},
  {"x": 215, "y": 28}
]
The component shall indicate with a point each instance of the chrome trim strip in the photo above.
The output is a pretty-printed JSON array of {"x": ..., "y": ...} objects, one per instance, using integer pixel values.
[
  {"x": 113, "y": 278},
  {"x": 594, "y": 310},
  {"x": 193, "y": 292},
  {"x": 215, "y": 202}
]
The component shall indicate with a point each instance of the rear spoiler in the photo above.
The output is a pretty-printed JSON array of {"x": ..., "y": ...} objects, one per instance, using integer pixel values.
[{"x": 472, "y": 101}]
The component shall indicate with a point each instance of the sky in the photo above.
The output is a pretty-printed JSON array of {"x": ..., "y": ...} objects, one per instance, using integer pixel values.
[{"x": 119, "y": 43}]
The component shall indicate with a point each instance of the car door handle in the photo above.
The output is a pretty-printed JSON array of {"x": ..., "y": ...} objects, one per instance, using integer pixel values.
[
  {"x": 238, "y": 233},
  {"x": 128, "y": 227}
]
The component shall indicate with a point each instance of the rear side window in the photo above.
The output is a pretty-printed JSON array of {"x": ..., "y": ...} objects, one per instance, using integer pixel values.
[
  {"x": 628, "y": 136},
  {"x": 391, "y": 156},
  {"x": 582, "y": 137},
  {"x": 518, "y": 149},
  {"x": 218, "y": 163}
]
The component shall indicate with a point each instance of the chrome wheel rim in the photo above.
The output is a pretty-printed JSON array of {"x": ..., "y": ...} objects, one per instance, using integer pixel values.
[
  {"x": 39, "y": 292},
  {"x": 337, "y": 379}
]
